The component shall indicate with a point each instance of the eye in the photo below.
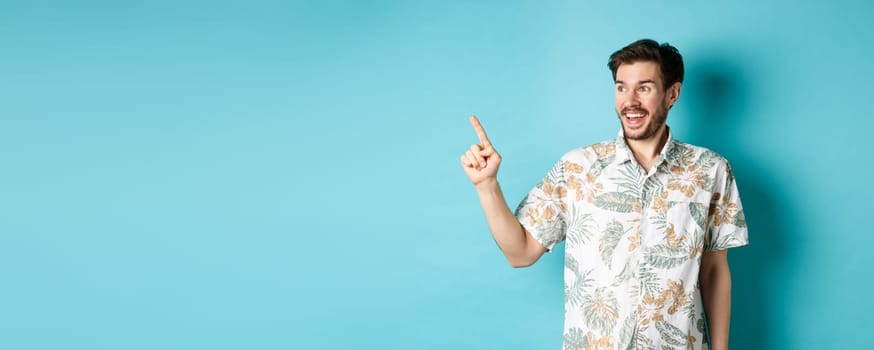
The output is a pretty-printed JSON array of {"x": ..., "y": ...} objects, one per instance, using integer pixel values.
[
  {"x": 644, "y": 89},
  {"x": 620, "y": 88}
]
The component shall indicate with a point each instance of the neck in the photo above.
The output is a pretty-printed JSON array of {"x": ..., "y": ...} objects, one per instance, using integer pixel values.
[{"x": 646, "y": 151}]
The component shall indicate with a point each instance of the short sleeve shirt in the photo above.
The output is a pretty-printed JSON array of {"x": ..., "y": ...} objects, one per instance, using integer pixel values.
[{"x": 634, "y": 240}]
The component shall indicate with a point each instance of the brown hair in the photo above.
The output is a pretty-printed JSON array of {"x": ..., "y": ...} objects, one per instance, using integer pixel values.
[{"x": 647, "y": 50}]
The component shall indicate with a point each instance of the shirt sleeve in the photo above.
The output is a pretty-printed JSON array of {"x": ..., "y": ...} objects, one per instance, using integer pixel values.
[
  {"x": 727, "y": 227},
  {"x": 543, "y": 211}
]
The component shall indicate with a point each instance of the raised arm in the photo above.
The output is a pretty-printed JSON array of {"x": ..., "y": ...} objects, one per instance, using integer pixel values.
[{"x": 481, "y": 163}]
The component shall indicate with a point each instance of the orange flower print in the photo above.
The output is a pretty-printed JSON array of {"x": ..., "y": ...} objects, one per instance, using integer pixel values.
[
  {"x": 634, "y": 240},
  {"x": 547, "y": 186},
  {"x": 686, "y": 179},
  {"x": 660, "y": 203},
  {"x": 671, "y": 235},
  {"x": 552, "y": 189},
  {"x": 591, "y": 187},
  {"x": 651, "y": 309},
  {"x": 586, "y": 189},
  {"x": 534, "y": 217},
  {"x": 598, "y": 343},
  {"x": 572, "y": 168},
  {"x": 549, "y": 212},
  {"x": 676, "y": 295},
  {"x": 723, "y": 211},
  {"x": 603, "y": 151},
  {"x": 573, "y": 182},
  {"x": 551, "y": 201},
  {"x": 694, "y": 251}
]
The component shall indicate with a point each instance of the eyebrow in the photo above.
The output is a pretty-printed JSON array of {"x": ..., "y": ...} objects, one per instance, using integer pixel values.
[{"x": 640, "y": 82}]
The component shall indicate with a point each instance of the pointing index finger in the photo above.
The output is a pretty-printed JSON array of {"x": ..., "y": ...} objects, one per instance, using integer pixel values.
[{"x": 483, "y": 139}]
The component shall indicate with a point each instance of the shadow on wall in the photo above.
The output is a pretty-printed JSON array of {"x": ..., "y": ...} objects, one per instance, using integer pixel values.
[{"x": 719, "y": 96}]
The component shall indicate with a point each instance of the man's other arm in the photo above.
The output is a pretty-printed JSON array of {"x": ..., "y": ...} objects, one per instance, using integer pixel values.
[{"x": 715, "y": 281}]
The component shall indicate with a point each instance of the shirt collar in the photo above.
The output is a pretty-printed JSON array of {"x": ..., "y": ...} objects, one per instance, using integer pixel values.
[{"x": 623, "y": 153}]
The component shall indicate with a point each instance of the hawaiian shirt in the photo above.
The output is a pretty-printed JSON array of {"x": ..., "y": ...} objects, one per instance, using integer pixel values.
[{"x": 634, "y": 240}]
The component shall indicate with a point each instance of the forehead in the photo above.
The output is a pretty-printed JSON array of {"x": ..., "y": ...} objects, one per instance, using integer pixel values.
[{"x": 633, "y": 73}]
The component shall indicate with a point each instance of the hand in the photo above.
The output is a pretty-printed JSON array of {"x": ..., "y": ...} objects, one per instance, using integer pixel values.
[{"x": 481, "y": 161}]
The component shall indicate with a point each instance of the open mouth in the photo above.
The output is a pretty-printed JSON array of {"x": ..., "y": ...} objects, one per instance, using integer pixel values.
[{"x": 634, "y": 117}]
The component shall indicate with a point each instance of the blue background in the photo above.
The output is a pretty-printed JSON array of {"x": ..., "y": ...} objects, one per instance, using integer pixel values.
[{"x": 285, "y": 175}]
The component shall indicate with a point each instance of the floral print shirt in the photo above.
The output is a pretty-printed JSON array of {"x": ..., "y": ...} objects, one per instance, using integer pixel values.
[{"x": 634, "y": 240}]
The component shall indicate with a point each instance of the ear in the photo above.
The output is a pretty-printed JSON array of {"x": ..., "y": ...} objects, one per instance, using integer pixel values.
[{"x": 673, "y": 93}]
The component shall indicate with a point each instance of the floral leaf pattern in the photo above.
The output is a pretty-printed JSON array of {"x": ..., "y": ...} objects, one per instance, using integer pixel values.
[
  {"x": 616, "y": 201},
  {"x": 601, "y": 309},
  {"x": 580, "y": 227},
  {"x": 628, "y": 327},
  {"x": 610, "y": 240},
  {"x": 574, "y": 339},
  {"x": 666, "y": 257},
  {"x": 699, "y": 212},
  {"x": 671, "y": 334},
  {"x": 576, "y": 289}
]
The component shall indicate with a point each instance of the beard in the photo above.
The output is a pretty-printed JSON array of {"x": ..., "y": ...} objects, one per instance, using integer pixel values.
[{"x": 658, "y": 119}]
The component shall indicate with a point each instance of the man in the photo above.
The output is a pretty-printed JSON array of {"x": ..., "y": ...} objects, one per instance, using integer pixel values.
[{"x": 647, "y": 220}]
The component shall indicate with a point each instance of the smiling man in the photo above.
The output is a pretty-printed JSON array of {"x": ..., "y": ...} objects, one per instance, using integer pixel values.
[{"x": 647, "y": 220}]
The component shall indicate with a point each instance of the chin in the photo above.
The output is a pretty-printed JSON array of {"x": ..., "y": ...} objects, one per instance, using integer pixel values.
[{"x": 633, "y": 134}]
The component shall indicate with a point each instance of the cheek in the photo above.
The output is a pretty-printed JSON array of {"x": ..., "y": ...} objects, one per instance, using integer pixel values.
[{"x": 655, "y": 102}]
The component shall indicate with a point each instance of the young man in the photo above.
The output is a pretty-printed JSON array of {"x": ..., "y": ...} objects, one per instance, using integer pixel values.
[{"x": 647, "y": 220}]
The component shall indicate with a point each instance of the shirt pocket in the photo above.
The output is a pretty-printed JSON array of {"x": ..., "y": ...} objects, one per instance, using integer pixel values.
[{"x": 689, "y": 218}]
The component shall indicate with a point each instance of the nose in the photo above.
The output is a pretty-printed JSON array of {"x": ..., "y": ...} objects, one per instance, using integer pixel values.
[{"x": 631, "y": 101}]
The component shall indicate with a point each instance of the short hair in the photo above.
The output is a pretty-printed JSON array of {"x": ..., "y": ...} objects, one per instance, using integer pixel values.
[{"x": 647, "y": 50}]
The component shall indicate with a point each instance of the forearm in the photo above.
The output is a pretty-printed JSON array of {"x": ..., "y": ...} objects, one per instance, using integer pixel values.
[
  {"x": 505, "y": 228},
  {"x": 716, "y": 292}
]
